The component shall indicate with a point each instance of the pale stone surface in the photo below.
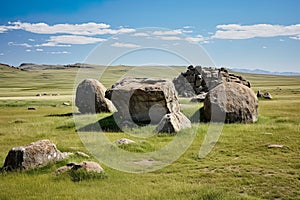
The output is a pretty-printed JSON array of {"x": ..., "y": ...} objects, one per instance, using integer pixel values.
[
  {"x": 33, "y": 155},
  {"x": 231, "y": 102},
  {"x": 90, "y": 97}
]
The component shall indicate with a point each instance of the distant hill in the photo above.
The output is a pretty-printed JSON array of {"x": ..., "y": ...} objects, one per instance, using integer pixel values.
[
  {"x": 260, "y": 71},
  {"x": 33, "y": 67}
]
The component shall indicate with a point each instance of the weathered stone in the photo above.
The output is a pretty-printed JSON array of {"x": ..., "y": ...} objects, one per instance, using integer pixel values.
[
  {"x": 275, "y": 146},
  {"x": 90, "y": 97},
  {"x": 124, "y": 141},
  {"x": 88, "y": 166},
  {"x": 267, "y": 95},
  {"x": 173, "y": 122},
  {"x": 231, "y": 102},
  {"x": 33, "y": 155},
  {"x": 143, "y": 100}
]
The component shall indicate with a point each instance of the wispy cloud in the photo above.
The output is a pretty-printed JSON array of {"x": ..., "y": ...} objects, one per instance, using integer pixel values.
[
  {"x": 28, "y": 50},
  {"x": 198, "y": 38},
  {"x": 297, "y": 37},
  {"x": 1, "y": 54},
  {"x": 21, "y": 44},
  {"x": 170, "y": 38},
  {"x": 67, "y": 40},
  {"x": 58, "y": 52},
  {"x": 39, "y": 49},
  {"x": 31, "y": 40},
  {"x": 88, "y": 29},
  {"x": 236, "y": 31},
  {"x": 141, "y": 34},
  {"x": 125, "y": 45},
  {"x": 169, "y": 32}
]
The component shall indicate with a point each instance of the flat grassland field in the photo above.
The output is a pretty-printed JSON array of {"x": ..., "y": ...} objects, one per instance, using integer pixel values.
[{"x": 240, "y": 166}]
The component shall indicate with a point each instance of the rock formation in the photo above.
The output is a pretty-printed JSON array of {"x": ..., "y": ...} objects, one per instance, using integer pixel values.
[
  {"x": 32, "y": 155},
  {"x": 144, "y": 100},
  {"x": 90, "y": 97},
  {"x": 88, "y": 166},
  {"x": 231, "y": 102},
  {"x": 199, "y": 79}
]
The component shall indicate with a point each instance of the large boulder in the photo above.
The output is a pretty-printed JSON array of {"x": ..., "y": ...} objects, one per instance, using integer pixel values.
[
  {"x": 33, "y": 155},
  {"x": 143, "y": 100},
  {"x": 231, "y": 102},
  {"x": 90, "y": 97}
]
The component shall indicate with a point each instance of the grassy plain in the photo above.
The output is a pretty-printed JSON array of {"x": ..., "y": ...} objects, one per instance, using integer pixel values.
[{"x": 240, "y": 166}]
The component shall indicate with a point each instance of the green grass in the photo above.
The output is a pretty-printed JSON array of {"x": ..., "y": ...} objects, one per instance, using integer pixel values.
[{"x": 240, "y": 166}]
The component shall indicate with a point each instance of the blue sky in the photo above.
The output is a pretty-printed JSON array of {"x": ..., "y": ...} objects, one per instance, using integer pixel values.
[{"x": 249, "y": 34}]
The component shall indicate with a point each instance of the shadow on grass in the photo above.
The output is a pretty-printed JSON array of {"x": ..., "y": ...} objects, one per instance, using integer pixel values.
[
  {"x": 198, "y": 116},
  {"x": 106, "y": 124},
  {"x": 62, "y": 115}
]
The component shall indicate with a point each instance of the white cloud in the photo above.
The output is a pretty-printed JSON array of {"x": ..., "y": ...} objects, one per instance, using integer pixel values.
[
  {"x": 1, "y": 54},
  {"x": 141, "y": 34},
  {"x": 170, "y": 38},
  {"x": 236, "y": 31},
  {"x": 31, "y": 40},
  {"x": 67, "y": 40},
  {"x": 281, "y": 40},
  {"x": 90, "y": 28},
  {"x": 28, "y": 50},
  {"x": 21, "y": 44},
  {"x": 59, "y": 52},
  {"x": 124, "y": 45},
  {"x": 296, "y": 37},
  {"x": 40, "y": 50},
  {"x": 198, "y": 38},
  {"x": 170, "y": 32},
  {"x": 264, "y": 47},
  {"x": 188, "y": 27}
]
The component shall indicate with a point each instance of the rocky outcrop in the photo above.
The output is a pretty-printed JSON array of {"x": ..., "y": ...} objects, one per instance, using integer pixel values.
[
  {"x": 33, "y": 155},
  {"x": 199, "y": 79},
  {"x": 143, "y": 100},
  {"x": 90, "y": 97},
  {"x": 231, "y": 102}
]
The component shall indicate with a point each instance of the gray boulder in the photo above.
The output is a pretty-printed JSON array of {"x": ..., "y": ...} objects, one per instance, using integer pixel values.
[
  {"x": 231, "y": 102},
  {"x": 144, "y": 101},
  {"x": 33, "y": 155},
  {"x": 90, "y": 97},
  {"x": 173, "y": 122}
]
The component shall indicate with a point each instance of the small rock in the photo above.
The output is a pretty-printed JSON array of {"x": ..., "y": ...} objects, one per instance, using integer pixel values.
[
  {"x": 88, "y": 166},
  {"x": 79, "y": 153},
  {"x": 31, "y": 108},
  {"x": 65, "y": 103},
  {"x": 124, "y": 141},
  {"x": 275, "y": 146},
  {"x": 267, "y": 95},
  {"x": 38, "y": 94}
]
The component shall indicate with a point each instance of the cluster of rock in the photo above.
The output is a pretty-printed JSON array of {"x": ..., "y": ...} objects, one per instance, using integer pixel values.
[
  {"x": 42, "y": 152},
  {"x": 147, "y": 101},
  {"x": 198, "y": 80}
]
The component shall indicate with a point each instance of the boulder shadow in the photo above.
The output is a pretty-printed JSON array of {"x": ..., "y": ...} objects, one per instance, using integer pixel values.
[
  {"x": 106, "y": 124},
  {"x": 198, "y": 116}
]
